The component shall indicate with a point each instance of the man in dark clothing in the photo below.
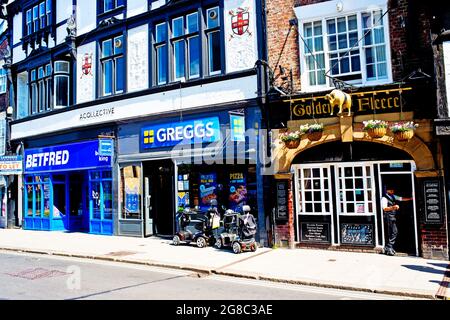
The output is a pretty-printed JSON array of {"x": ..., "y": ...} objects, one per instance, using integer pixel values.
[{"x": 391, "y": 209}]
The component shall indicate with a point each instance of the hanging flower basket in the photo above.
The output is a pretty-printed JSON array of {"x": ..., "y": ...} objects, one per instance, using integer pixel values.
[
  {"x": 404, "y": 131},
  {"x": 404, "y": 135},
  {"x": 292, "y": 144},
  {"x": 291, "y": 139},
  {"x": 375, "y": 128},
  {"x": 314, "y": 136},
  {"x": 313, "y": 132}
]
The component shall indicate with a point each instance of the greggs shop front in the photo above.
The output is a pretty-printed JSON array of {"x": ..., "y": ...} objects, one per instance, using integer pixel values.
[{"x": 69, "y": 187}]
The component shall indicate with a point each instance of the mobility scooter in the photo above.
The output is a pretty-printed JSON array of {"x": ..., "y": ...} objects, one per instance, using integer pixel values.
[
  {"x": 195, "y": 226},
  {"x": 238, "y": 231}
]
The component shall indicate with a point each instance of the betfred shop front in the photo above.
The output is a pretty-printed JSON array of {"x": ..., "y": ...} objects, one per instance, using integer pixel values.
[{"x": 69, "y": 187}]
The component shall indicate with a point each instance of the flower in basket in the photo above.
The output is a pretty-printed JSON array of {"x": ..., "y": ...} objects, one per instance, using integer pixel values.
[
  {"x": 310, "y": 128},
  {"x": 290, "y": 136},
  {"x": 374, "y": 124},
  {"x": 404, "y": 126}
]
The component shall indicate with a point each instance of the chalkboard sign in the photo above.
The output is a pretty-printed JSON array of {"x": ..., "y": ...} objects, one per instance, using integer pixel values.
[
  {"x": 433, "y": 204},
  {"x": 357, "y": 234},
  {"x": 315, "y": 232},
  {"x": 282, "y": 200}
]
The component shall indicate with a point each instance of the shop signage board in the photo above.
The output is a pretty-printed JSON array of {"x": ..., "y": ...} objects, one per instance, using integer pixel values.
[
  {"x": 74, "y": 156},
  {"x": 315, "y": 232},
  {"x": 206, "y": 130},
  {"x": 387, "y": 100},
  {"x": 357, "y": 234},
  {"x": 237, "y": 189},
  {"x": 208, "y": 185},
  {"x": 106, "y": 147},
  {"x": 282, "y": 200},
  {"x": 433, "y": 201},
  {"x": 237, "y": 127},
  {"x": 11, "y": 165}
]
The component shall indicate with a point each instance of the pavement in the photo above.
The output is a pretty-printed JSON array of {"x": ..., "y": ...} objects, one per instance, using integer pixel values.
[{"x": 368, "y": 272}]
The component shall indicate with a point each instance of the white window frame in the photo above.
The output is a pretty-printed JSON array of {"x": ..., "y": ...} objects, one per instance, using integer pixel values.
[
  {"x": 3, "y": 81},
  {"x": 327, "y": 10},
  {"x": 2, "y": 134},
  {"x": 208, "y": 33},
  {"x": 161, "y": 44},
  {"x": 61, "y": 74}
]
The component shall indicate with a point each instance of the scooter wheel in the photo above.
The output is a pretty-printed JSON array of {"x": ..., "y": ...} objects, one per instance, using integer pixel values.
[
  {"x": 253, "y": 247},
  {"x": 176, "y": 240},
  {"x": 237, "y": 248},
  {"x": 201, "y": 242},
  {"x": 219, "y": 244}
]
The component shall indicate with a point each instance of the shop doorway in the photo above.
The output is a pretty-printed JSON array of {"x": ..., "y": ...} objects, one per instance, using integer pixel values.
[
  {"x": 159, "y": 197},
  {"x": 403, "y": 184},
  {"x": 78, "y": 208}
]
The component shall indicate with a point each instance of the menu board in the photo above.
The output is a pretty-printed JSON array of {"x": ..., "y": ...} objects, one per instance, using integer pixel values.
[
  {"x": 315, "y": 232},
  {"x": 282, "y": 200},
  {"x": 433, "y": 203},
  {"x": 357, "y": 234}
]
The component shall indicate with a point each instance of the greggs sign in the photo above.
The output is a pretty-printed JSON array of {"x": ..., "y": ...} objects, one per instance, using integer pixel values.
[
  {"x": 204, "y": 130},
  {"x": 369, "y": 102}
]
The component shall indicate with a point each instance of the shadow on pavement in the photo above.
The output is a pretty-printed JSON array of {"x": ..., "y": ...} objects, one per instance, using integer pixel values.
[{"x": 424, "y": 269}]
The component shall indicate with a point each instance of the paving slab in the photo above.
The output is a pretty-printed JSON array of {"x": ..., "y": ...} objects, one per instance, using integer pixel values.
[{"x": 402, "y": 275}]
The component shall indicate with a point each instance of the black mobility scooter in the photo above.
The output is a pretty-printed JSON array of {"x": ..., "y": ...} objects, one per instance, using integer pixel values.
[
  {"x": 192, "y": 225},
  {"x": 238, "y": 231}
]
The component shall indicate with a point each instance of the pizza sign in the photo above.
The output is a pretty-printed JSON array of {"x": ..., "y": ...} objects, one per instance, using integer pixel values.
[{"x": 240, "y": 21}]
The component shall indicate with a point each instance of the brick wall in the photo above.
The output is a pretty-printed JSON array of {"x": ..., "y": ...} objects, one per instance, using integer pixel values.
[
  {"x": 434, "y": 242},
  {"x": 408, "y": 25},
  {"x": 285, "y": 230}
]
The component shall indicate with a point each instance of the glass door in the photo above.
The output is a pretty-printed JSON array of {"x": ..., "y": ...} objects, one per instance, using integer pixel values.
[
  {"x": 314, "y": 205},
  {"x": 100, "y": 202},
  {"x": 356, "y": 204}
]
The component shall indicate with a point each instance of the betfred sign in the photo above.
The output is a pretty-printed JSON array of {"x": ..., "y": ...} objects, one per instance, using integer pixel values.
[
  {"x": 11, "y": 165},
  {"x": 205, "y": 130},
  {"x": 75, "y": 156}
]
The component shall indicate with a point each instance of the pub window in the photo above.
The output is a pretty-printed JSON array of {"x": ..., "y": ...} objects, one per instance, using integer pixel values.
[
  {"x": 333, "y": 45},
  {"x": 213, "y": 41},
  {"x": 113, "y": 66},
  {"x": 161, "y": 53}
]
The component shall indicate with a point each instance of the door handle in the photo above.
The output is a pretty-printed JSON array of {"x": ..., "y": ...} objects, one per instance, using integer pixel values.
[{"x": 147, "y": 201}]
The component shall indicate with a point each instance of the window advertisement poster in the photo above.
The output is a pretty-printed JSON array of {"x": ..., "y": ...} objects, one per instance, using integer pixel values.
[
  {"x": 183, "y": 190},
  {"x": 238, "y": 190},
  {"x": 132, "y": 190},
  {"x": 208, "y": 186}
]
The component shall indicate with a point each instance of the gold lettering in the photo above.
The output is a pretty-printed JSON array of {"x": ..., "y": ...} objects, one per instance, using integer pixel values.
[
  {"x": 363, "y": 102},
  {"x": 382, "y": 103},
  {"x": 299, "y": 110},
  {"x": 376, "y": 104},
  {"x": 317, "y": 109},
  {"x": 396, "y": 99},
  {"x": 308, "y": 110},
  {"x": 389, "y": 103}
]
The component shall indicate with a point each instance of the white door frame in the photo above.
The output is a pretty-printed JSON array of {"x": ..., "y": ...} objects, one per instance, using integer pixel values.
[{"x": 296, "y": 167}]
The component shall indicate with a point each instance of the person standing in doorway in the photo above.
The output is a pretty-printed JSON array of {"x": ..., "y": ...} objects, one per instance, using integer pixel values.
[{"x": 390, "y": 210}]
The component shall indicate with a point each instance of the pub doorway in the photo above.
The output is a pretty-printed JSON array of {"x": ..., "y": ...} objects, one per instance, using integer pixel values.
[{"x": 403, "y": 184}]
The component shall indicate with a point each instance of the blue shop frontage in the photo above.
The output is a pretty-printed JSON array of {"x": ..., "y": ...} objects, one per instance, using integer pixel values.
[
  {"x": 172, "y": 161},
  {"x": 69, "y": 187}
]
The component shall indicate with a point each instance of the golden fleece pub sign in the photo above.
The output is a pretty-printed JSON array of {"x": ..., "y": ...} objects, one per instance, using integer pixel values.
[{"x": 340, "y": 103}]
